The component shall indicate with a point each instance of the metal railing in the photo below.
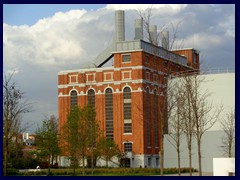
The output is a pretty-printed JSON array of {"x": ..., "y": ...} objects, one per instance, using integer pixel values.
[{"x": 218, "y": 70}]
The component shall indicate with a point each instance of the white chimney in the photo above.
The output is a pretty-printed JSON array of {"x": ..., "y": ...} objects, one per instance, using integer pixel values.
[
  {"x": 119, "y": 26},
  {"x": 153, "y": 34},
  {"x": 138, "y": 29},
  {"x": 165, "y": 39}
]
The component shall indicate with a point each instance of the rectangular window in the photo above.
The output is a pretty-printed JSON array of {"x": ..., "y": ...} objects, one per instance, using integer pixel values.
[
  {"x": 127, "y": 147},
  {"x": 157, "y": 162},
  {"x": 126, "y": 75},
  {"x": 147, "y": 76},
  {"x": 73, "y": 78},
  {"x": 155, "y": 78},
  {"x": 155, "y": 119},
  {"x": 126, "y": 58},
  {"x": 108, "y": 76},
  {"x": 91, "y": 78},
  {"x": 127, "y": 108},
  {"x": 128, "y": 127},
  {"x": 149, "y": 162},
  {"x": 165, "y": 64},
  {"x": 109, "y": 113},
  {"x": 147, "y": 59},
  {"x": 195, "y": 58}
]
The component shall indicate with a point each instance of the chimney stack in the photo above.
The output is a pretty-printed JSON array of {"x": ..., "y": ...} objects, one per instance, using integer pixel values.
[
  {"x": 138, "y": 29},
  {"x": 165, "y": 39},
  {"x": 119, "y": 26},
  {"x": 153, "y": 34}
]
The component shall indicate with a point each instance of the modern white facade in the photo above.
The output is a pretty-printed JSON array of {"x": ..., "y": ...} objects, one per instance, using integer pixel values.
[{"x": 222, "y": 87}]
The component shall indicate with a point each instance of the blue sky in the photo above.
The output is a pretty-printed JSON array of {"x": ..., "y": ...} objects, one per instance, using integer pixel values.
[
  {"x": 38, "y": 42},
  {"x": 29, "y": 14}
]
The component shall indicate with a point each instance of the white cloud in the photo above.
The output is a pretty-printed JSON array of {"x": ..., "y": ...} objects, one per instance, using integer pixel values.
[
  {"x": 175, "y": 7},
  {"x": 69, "y": 40}
]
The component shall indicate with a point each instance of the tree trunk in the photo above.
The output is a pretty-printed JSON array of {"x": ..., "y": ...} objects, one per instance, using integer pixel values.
[
  {"x": 161, "y": 156},
  {"x": 190, "y": 159},
  {"x": 83, "y": 165},
  {"x": 92, "y": 160},
  {"x": 107, "y": 162},
  {"x": 49, "y": 164},
  {"x": 230, "y": 149},
  {"x": 199, "y": 155},
  {"x": 179, "y": 163},
  {"x": 5, "y": 159}
]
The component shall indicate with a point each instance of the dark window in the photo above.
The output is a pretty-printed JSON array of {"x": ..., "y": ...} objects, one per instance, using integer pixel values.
[
  {"x": 165, "y": 64},
  {"x": 157, "y": 162},
  {"x": 73, "y": 99},
  {"x": 109, "y": 113},
  {"x": 147, "y": 117},
  {"x": 126, "y": 58},
  {"x": 194, "y": 58},
  {"x": 155, "y": 118},
  {"x": 149, "y": 162},
  {"x": 127, "y": 147},
  {"x": 127, "y": 110},
  {"x": 91, "y": 97}
]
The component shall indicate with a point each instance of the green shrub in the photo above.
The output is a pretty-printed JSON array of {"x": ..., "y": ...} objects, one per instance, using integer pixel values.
[{"x": 12, "y": 172}]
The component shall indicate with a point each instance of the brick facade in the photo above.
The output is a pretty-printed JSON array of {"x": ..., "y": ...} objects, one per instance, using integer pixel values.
[{"x": 146, "y": 75}]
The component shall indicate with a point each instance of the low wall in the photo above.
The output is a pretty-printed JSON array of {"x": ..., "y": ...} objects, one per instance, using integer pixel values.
[{"x": 223, "y": 166}]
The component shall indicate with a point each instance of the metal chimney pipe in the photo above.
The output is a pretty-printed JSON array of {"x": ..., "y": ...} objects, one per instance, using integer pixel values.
[
  {"x": 138, "y": 29},
  {"x": 153, "y": 34},
  {"x": 165, "y": 39},
  {"x": 119, "y": 26}
]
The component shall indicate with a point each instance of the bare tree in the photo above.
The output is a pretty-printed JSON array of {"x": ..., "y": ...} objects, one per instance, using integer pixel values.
[
  {"x": 176, "y": 123},
  {"x": 200, "y": 113},
  {"x": 165, "y": 105},
  {"x": 205, "y": 114},
  {"x": 182, "y": 86},
  {"x": 14, "y": 106},
  {"x": 228, "y": 127}
]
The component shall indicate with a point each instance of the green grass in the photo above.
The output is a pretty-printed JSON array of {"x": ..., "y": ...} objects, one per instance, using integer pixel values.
[{"x": 106, "y": 172}]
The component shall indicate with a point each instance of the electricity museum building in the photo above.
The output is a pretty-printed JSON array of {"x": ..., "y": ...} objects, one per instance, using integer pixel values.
[{"x": 126, "y": 95}]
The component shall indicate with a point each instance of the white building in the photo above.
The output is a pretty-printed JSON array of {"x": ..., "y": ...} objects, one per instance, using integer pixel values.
[{"x": 222, "y": 87}]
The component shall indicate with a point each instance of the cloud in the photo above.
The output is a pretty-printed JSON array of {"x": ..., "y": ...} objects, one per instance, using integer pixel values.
[
  {"x": 174, "y": 7},
  {"x": 71, "y": 40}
]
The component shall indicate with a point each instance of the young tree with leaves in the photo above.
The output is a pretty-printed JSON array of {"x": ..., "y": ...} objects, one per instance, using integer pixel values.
[
  {"x": 107, "y": 148},
  {"x": 94, "y": 133},
  {"x": 47, "y": 140},
  {"x": 80, "y": 134}
]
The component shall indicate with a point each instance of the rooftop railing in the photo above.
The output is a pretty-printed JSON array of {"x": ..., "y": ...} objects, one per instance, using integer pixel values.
[{"x": 218, "y": 70}]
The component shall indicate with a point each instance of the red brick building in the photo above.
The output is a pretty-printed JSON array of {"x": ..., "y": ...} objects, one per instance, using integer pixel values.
[{"x": 126, "y": 94}]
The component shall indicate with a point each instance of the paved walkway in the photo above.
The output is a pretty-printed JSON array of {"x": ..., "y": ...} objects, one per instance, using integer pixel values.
[{"x": 193, "y": 174}]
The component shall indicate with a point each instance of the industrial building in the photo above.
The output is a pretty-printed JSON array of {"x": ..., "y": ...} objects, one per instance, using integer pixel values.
[{"x": 126, "y": 94}]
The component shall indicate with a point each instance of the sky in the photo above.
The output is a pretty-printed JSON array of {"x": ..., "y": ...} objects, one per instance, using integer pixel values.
[{"x": 41, "y": 40}]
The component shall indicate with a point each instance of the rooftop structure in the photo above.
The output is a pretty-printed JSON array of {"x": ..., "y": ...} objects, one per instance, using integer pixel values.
[{"x": 127, "y": 95}]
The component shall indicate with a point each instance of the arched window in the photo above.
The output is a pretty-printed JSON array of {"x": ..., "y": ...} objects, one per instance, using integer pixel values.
[
  {"x": 127, "y": 108},
  {"x": 155, "y": 119},
  {"x": 73, "y": 99},
  {"x": 91, "y": 98},
  {"x": 147, "y": 117},
  {"x": 109, "y": 113}
]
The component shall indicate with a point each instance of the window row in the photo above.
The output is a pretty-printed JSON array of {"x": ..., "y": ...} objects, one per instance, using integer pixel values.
[
  {"x": 108, "y": 76},
  {"x": 127, "y": 108}
]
